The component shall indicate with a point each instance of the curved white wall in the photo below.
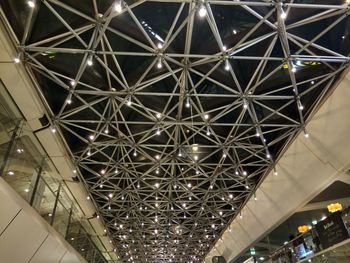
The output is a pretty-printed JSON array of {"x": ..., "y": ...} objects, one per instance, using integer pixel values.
[
  {"x": 26, "y": 237},
  {"x": 306, "y": 168}
]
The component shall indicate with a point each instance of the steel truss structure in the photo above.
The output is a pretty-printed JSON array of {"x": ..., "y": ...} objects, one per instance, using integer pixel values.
[{"x": 175, "y": 110}]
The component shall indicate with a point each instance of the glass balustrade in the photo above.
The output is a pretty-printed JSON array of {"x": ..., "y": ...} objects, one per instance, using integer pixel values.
[{"x": 25, "y": 166}]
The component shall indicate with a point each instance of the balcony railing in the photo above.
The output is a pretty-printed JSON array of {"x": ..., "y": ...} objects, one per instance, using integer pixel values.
[{"x": 25, "y": 166}]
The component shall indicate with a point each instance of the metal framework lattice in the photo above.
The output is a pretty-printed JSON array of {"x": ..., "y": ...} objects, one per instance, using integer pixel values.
[{"x": 174, "y": 110}]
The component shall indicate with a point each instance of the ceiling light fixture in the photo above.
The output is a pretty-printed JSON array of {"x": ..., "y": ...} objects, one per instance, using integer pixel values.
[
  {"x": 69, "y": 98},
  {"x": 188, "y": 102},
  {"x": 227, "y": 65},
  {"x": 118, "y": 6},
  {"x": 300, "y": 106},
  {"x": 159, "y": 64},
  {"x": 202, "y": 11},
  {"x": 245, "y": 104},
  {"x": 283, "y": 15},
  {"x": 89, "y": 61},
  {"x": 31, "y": 3},
  {"x": 208, "y": 131},
  {"x": 128, "y": 101}
]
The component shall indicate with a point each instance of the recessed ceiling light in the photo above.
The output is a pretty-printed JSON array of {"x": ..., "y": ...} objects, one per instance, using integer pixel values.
[{"x": 31, "y": 3}]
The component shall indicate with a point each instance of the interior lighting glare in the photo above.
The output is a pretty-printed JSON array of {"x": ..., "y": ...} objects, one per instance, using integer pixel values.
[
  {"x": 245, "y": 104},
  {"x": 159, "y": 64},
  {"x": 283, "y": 15},
  {"x": 300, "y": 106},
  {"x": 118, "y": 6},
  {"x": 202, "y": 12},
  {"x": 31, "y": 3},
  {"x": 227, "y": 65},
  {"x": 89, "y": 62},
  {"x": 208, "y": 131},
  {"x": 69, "y": 98}
]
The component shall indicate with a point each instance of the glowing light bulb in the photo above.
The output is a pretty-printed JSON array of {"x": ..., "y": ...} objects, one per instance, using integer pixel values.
[
  {"x": 187, "y": 102},
  {"x": 300, "y": 106},
  {"x": 16, "y": 60},
  {"x": 245, "y": 104},
  {"x": 159, "y": 45},
  {"x": 89, "y": 61},
  {"x": 158, "y": 131},
  {"x": 69, "y": 98},
  {"x": 283, "y": 15},
  {"x": 257, "y": 134},
  {"x": 227, "y": 65},
  {"x": 294, "y": 69},
  {"x": 234, "y": 31},
  {"x": 208, "y": 131},
  {"x": 53, "y": 130},
  {"x": 128, "y": 102},
  {"x": 206, "y": 116},
  {"x": 31, "y": 3},
  {"x": 159, "y": 64},
  {"x": 72, "y": 82},
  {"x": 118, "y": 6},
  {"x": 202, "y": 12}
]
